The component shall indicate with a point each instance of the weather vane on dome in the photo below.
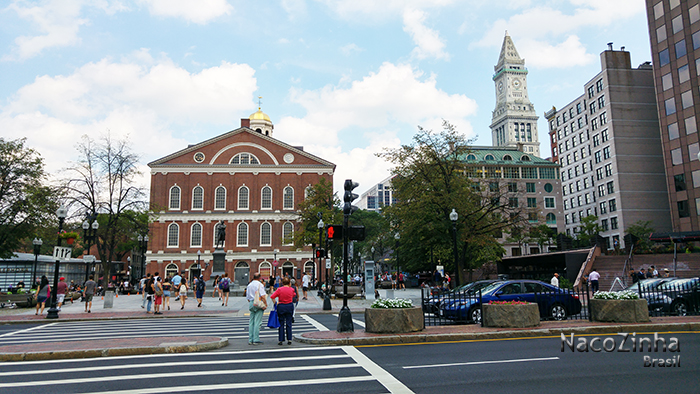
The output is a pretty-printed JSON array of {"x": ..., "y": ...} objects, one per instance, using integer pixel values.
[{"x": 259, "y": 102}]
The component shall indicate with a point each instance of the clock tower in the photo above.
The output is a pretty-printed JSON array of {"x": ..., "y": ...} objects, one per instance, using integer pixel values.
[{"x": 514, "y": 120}]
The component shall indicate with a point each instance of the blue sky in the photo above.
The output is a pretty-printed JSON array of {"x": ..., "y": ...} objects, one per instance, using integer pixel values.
[{"x": 343, "y": 78}]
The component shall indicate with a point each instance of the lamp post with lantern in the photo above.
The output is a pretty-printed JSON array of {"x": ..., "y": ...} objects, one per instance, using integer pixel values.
[
  {"x": 453, "y": 217},
  {"x": 143, "y": 245},
  {"x": 61, "y": 212},
  {"x": 90, "y": 227},
  {"x": 37, "y": 242}
]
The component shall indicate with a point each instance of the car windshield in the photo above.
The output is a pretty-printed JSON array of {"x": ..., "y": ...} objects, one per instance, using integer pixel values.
[
  {"x": 645, "y": 284},
  {"x": 491, "y": 287},
  {"x": 678, "y": 283}
]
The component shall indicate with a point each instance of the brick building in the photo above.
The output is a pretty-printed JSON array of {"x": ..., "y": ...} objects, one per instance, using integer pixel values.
[{"x": 245, "y": 178}]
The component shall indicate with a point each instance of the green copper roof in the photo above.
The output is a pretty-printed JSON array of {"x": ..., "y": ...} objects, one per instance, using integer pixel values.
[{"x": 499, "y": 156}]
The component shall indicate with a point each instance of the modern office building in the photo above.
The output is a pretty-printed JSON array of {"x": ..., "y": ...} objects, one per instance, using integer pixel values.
[
  {"x": 245, "y": 178},
  {"x": 377, "y": 196},
  {"x": 607, "y": 142},
  {"x": 674, "y": 32},
  {"x": 514, "y": 120}
]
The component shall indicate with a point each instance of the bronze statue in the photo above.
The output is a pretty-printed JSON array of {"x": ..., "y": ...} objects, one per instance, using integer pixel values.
[{"x": 221, "y": 235}]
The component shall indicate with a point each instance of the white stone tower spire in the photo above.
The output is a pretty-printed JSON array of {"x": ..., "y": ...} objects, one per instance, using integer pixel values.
[{"x": 514, "y": 120}]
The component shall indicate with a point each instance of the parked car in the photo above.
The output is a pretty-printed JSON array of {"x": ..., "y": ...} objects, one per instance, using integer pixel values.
[
  {"x": 678, "y": 297},
  {"x": 647, "y": 289},
  {"x": 432, "y": 305},
  {"x": 556, "y": 303}
]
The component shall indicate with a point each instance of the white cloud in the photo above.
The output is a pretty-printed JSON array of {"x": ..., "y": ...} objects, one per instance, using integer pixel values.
[
  {"x": 145, "y": 98},
  {"x": 374, "y": 111},
  {"x": 349, "y": 49},
  {"x": 200, "y": 11},
  {"x": 428, "y": 42},
  {"x": 373, "y": 11},
  {"x": 545, "y": 36}
]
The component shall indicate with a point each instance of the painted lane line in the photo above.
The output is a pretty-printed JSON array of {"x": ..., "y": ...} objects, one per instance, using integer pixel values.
[
  {"x": 176, "y": 375},
  {"x": 27, "y": 329},
  {"x": 313, "y": 322},
  {"x": 173, "y": 364},
  {"x": 382, "y": 376},
  {"x": 521, "y": 360},
  {"x": 218, "y": 354},
  {"x": 234, "y": 386}
]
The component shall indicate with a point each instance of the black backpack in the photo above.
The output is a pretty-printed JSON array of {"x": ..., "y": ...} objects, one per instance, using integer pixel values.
[{"x": 200, "y": 285}]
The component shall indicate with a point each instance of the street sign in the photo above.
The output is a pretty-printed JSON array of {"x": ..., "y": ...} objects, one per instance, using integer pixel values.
[
  {"x": 328, "y": 263},
  {"x": 61, "y": 252},
  {"x": 88, "y": 258}
]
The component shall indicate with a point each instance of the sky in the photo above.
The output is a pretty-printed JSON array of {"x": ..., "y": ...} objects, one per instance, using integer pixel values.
[{"x": 346, "y": 79}]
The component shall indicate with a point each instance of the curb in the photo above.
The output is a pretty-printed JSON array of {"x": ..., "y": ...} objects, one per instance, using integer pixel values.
[
  {"x": 98, "y": 317},
  {"x": 111, "y": 352},
  {"x": 475, "y": 336}
]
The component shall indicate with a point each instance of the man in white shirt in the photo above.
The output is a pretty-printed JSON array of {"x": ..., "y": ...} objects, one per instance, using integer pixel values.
[
  {"x": 256, "y": 314},
  {"x": 555, "y": 280},
  {"x": 594, "y": 276},
  {"x": 305, "y": 284}
]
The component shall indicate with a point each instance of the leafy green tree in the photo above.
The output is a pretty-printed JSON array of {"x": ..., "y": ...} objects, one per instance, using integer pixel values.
[
  {"x": 641, "y": 229},
  {"x": 26, "y": 203},
  {"x": 429, "y": 183},
  {"x": 542, "y": 234},
  {"x": 103, "y": 181},
  {"x": 589, "y": 230}
]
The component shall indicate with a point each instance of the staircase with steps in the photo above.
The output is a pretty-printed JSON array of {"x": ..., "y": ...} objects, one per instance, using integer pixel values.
[{"x": 610, "y": 267}]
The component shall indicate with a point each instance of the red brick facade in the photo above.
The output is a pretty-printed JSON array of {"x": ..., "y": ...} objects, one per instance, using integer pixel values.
[{"x": 254, "y": 233}]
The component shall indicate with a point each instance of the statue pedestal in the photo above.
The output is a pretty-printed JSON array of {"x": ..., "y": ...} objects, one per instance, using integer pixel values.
[{"x": 218, "y": 265}]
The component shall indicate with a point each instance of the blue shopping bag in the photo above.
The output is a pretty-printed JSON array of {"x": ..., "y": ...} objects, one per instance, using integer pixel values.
[{"x": 273, "y": 321}]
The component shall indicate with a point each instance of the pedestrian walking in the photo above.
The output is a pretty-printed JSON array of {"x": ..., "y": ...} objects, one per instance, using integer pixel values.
[
  {"x": 305, "y": 284},
  {"x": 293, "y": 284},
  {"x": 594, "y": 277},
  {"x": 200, "y": 288},
  {"x": 158, "y": 293},
  {"x": 150, "y": 293},
  {"x": 225, "y": 284},
  {"x": 285, "y": 309},
  {"x": 61, "y": 289},
  {"x": 89, "y": 292},
  {"x": 255, "y": 291},
  {"x": 142, "y": 287},
  {"x": 167, "y": 287},
  {"x": 555, "y": 280},
  {"x": 182, "y": 291},
  {"x": 42, "y": 294},
  {"x": 176, "y": 285},
  {"x": 217, "y": 289}
]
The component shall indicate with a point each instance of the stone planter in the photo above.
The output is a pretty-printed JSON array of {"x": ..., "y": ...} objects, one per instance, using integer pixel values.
[
  {"x": 394, "y": 320},
  {"x": 619, "y": 311},
  {"x": 511, "y": 315}
]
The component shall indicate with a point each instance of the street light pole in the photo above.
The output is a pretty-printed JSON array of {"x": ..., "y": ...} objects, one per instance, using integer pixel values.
[
  {"x": 453, "y": 217},
  {"x": 326, "y": 294},
  {"x": 90, "y": 227},
  {"x": 61, "y": 212},
  {"x": 143, "y": 245},
  {"x": 37, "y": 242},
  {"x": 397, "y": 236}
]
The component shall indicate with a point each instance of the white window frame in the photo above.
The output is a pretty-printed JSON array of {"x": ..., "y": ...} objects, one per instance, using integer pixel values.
[
  {"x": 288, "y": 240},
  {"x": 194, "y": 244},
  {"x": 287, "y": 198},
  {"x": 174, "y": 226},
  {"x": 247, "y": 198},
  {"x": 194, "y": 199},
  {"x": 263, "y": 230},
  {"x": 170, "y": 198},
  {"x": 239, "y": 234},
  {"x": 216, "y": 198},
  {"x": 263, "y": 200}
]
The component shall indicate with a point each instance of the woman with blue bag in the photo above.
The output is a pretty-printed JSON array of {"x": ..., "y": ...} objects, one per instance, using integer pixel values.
[{"x": 284, "y": 309}]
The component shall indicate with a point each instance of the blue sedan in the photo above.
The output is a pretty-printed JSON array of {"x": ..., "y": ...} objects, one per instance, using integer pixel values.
[{"x": 554, "y": 302}]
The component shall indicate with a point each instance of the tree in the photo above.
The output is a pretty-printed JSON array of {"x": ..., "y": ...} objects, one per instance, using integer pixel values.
[
  {"x": 102, "y": 181},
  {"x": 26, "y": 204},
  {"x": 542, "y": 234},
  {"x": 429, "y": 182},
  {"x": 641, "y": 229},
  {"x": 588, "y": 231}
]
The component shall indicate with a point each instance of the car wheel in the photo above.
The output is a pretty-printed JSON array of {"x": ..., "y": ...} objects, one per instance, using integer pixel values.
[
  {"x": 679, "y": 308},
  {"x": 558, "y": 312},
  {"x": 475, "y": 314}
]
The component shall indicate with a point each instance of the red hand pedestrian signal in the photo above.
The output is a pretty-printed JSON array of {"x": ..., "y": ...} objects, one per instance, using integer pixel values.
[
  {"x": 330, "y": 232},
  {"x": 334, "y": 231}
]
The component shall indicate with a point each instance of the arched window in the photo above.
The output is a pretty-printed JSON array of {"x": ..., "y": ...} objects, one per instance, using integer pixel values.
[
  {"x": 307, "y": 191},
  {"x": 245, "y": 159},
  {"x": 288, "y": 233},
  {"x": 216, "y": 235},
  {"x": 174, "y": 197},
  {"x": 173, "y": 235},
  {"x": 507, "y": 157},
  {"x": 266, "y": 198},
  {"x": 489, "y": 157},
  {"x": 220, "y": 198},
  {"x": 265, "y": 270},
  {"x": 288, "y": 198},
  {"x": 551, "y": 219},
  {"x": 309, "y": 268},
  {"x": 171, "y": 270},
  {"x": 198, "y": 198},
  {"x": 196, "y": 236},
  {"x": 265, "y": 234},
  {"x": 525, "y": 158},
  {"x": 471, "y": 157},
  {"x": 243, "y": 197},
  {"x": 242, "y": 234}
]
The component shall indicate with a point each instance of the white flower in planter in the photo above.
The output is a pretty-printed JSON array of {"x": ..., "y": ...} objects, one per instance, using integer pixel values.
[{"x": 392, "y": 303}]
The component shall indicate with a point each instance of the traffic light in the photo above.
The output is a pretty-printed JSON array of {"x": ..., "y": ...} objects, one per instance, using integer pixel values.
[
  {"x": 320, "y": 253},
  {"x": 334, "y": 232},
  {"x": 349, "y": 197},
  {"x": 356, "y": 233}
]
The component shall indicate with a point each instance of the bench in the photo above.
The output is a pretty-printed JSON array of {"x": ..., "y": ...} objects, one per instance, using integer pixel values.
[{"x": 353, "y": 290}]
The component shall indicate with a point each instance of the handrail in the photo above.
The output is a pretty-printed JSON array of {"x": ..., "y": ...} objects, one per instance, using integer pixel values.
[
  {"x": 625, "y": 268},
  {"x": 584, "y": 267}
]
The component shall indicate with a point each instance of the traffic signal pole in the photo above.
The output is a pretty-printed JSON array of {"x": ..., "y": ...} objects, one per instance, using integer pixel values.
[{"x": 345, "y": 323}]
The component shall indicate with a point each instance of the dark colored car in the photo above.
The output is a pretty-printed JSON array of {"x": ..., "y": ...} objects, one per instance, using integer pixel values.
[
  {"x": 647, "y": 289},
  {"x": 554, "y": 302},
  {"x": 678, "y": 297},
  {"x": 432, "y": 305}
]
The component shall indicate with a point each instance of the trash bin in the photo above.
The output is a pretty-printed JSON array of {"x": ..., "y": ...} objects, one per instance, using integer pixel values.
[{"x": 109, "y": 299}]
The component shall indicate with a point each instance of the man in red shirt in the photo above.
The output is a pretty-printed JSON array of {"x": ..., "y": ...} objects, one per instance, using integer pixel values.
[{"x": 61, "y": 289}]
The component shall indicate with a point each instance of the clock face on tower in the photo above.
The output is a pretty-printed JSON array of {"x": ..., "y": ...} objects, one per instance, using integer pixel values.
[
  {"x": 516, "y": 83},
  {"x": 500, "y": 86}
]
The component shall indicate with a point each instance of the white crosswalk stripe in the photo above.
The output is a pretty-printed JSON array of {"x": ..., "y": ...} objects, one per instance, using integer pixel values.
[
  {"x": 311, "y": 370},
  {"x": 231, "y": 327}
]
